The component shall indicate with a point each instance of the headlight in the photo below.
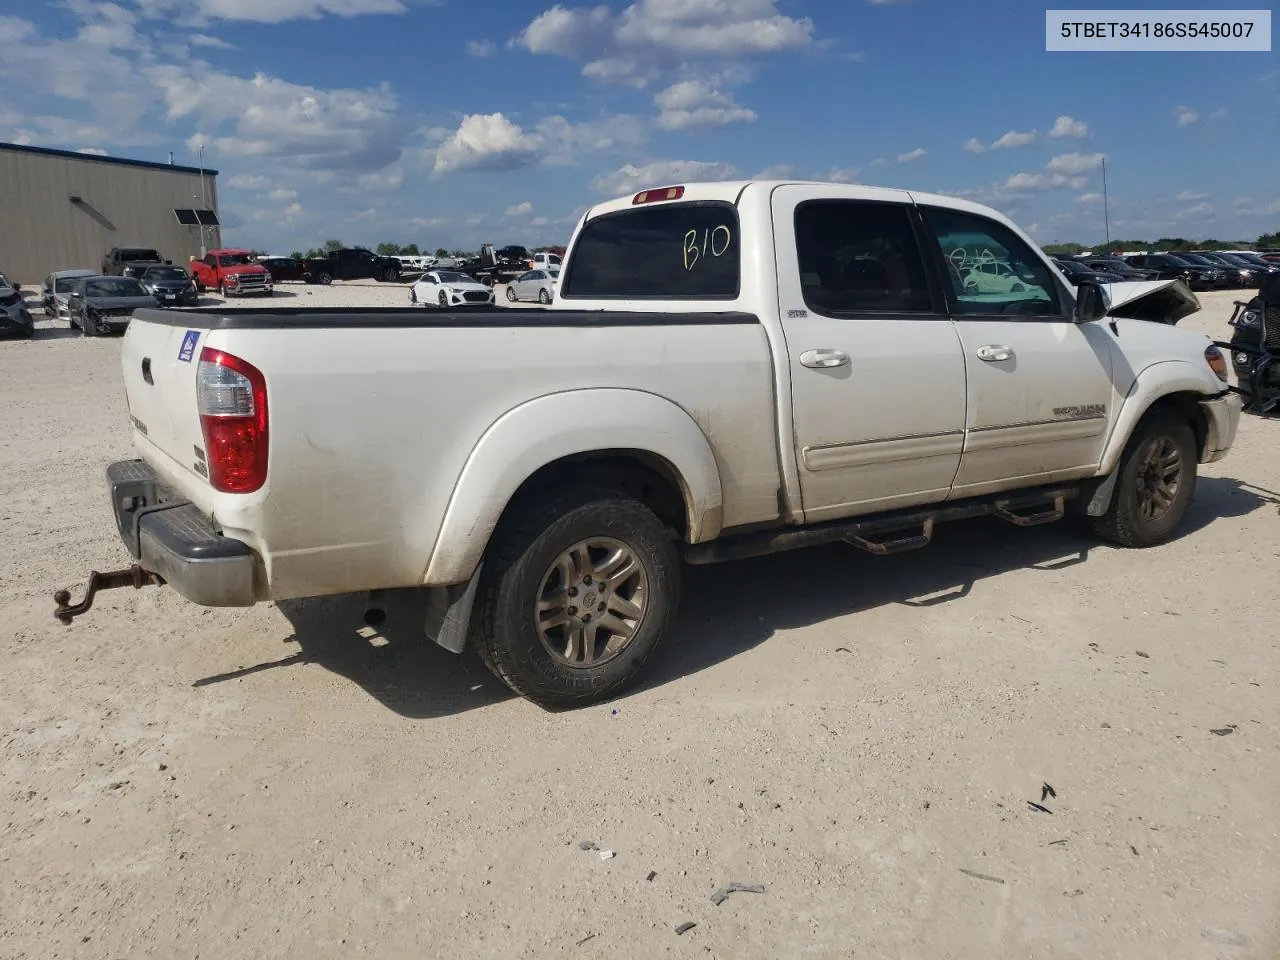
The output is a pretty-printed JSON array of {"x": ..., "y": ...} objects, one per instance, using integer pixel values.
[
  {"x": 1250, "y": 318},
  {"x": 1217, "y": 362}
]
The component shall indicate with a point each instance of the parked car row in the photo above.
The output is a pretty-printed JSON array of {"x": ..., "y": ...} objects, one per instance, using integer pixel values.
[
  {"x": 1199, "y": 269},
  {"x": 15, "y": 318}
]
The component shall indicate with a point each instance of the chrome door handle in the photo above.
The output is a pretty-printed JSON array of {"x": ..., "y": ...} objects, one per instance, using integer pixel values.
[
  {"x": 824, "y": 358},
  {"x": 994, "y": 353}
]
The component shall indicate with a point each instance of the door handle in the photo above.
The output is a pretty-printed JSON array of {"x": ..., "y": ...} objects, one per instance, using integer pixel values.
[
  {"x": 819, "y": 359},
  {"x": 994, "y": 353}
]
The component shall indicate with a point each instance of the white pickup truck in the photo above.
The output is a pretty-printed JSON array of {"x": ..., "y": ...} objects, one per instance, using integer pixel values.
[{"x": 728, "y": 369}]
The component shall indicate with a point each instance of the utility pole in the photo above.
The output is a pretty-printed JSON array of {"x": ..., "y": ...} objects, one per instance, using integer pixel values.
[
  {"x": 204, "y": 204},
  {"x": 1106, "y": 212}
]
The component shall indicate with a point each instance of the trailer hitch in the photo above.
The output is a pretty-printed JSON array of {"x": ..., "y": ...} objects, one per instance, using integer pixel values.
[{"x": 133, "y": 576}]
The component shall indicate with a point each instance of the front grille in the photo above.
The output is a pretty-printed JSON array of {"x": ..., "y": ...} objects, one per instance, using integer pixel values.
[
  {"x": 475, "y": 296},
  {"x": 1271, "y": 328},
  {"x": 254, "y": 280}
]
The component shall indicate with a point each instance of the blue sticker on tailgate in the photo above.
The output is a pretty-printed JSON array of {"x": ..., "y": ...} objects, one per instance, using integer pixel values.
[{"x": 189, "y": 345}]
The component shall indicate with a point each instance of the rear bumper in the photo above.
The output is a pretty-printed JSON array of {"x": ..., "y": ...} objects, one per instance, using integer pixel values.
[
  {"x": 1222, "y": 416},
  {"x": 169, "y": 536}
]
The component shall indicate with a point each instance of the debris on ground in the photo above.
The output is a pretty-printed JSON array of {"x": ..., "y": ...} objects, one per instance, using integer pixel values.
[
  {"x": 980, "y": 876},
  {"x": 586, "y": 845},
  {"x": 607, "y": 854},
  {"x": 1224, "y": 937},
  {"x": 589, "y": 936},
  {"x": 652, "y": 874},
  {"x": 1054, "y": 843},
  {"x": 1035, "y": 806},
  {"x": 1143, "y": 654},
  {"x": 1047, "y": 791},
  {"x": 843, "y": 650},
  {"x": 1073, "y": 893},
  {"x": 721, "y": 894},
  {"x": 1133, "y": 849},
  {"x": 685, "y": 928},
  {"x": 1224, "y": 731}
]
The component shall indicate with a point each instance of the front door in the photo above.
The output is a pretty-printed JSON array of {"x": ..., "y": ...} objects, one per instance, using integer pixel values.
[
  {"x": 1040, "y": 393},
  {"x": 877, "y": 376}
]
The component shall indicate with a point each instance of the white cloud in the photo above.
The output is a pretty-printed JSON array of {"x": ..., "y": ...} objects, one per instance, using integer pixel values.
[
  {"x": 1014, "y": 139},
  {"x": 248, "y": 181},
  {"x": 1201, "y": 211},
  {"x": 428, "y": 223},
  {"x": 1022, "y": 182},
  {"x": 264, "y": 11},
  {"x": 777, "y": 171},
  {"x": 520, "y": 209},
  {"x": 1066, "y": 126},
  {"x": 206, "y": 40},
  {"x": 539, "y": 222},
  {"x": 885, "y": 3},
  {"x": 481, "y": 48},
  {"x": 692, "y": 104},
  {"x": 652, "y": 37},
  {"x": 842, "y": 175},
  {"x": 1089, "y": 199},
  {"x": 1073, "y": 164},
  {"x": 1242, "y": 203},
  {"x": 1191, "y": 196},
  {"x": 911, "y": 155},
  {"x": 486, "y": 142},
  {"x": 1186, "y": 116},
  {"x": 93, "y": 151},
  {"x": 630, "y": 178},
  {"x": 1219, "y": 114},
  {"x": 973, "y": 145},
  {"x": 282, "y": 194},
  {"x": 16, "y": 29}
]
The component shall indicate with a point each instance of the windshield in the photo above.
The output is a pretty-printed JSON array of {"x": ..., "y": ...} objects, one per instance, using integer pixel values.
[
  {"x": 156, "y": 274},
  {"x": 447, "y": 277},
  {"x": 1198, "y": 260},
  {"x": 65, "y": 284},
  {"x": 132, "y": 256},
  {"x": 234, "y": 259},
  {"x": 113, "y": 287}
]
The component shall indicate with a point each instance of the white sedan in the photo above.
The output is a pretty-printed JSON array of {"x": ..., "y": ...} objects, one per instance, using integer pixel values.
[
  {"x": 537, "y": 285},
  {"x": 447, "y": 288}
]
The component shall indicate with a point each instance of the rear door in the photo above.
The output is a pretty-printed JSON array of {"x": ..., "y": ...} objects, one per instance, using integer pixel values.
[
  {"x": 1040, "y": 393},
  {"x": 877, "y": 376}
]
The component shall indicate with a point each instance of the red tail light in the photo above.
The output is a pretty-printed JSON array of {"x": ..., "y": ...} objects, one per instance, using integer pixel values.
[
  {"x": 662, "y": 193},
  {"x": 231, "y": 395}
]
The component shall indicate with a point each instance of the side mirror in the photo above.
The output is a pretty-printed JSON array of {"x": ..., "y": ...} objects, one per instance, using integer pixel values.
[{"x": 1092, "y": 302}]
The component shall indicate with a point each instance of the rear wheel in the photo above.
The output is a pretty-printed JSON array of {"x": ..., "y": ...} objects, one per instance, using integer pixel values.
[
  {"x": 443, "y": 299},
  {"x": 579, "y": 588},
  {"x": 324, "y": 278},
  {"x": 1155, "y": 485},
  {"x": 544, "y": 296},
  {"x": 390, "y": 275}
]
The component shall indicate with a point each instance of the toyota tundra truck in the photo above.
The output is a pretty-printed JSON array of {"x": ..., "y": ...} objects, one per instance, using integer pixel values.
[{"x": 726, "y": 370}]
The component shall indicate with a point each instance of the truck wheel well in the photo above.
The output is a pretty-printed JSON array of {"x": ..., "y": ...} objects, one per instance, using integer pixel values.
[
  {"x": 1187, "y": 406},
  {"x": 637, "y": 473}
]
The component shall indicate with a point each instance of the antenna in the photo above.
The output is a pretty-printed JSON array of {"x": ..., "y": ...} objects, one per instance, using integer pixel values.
[{"x": 1106, "y": 212}]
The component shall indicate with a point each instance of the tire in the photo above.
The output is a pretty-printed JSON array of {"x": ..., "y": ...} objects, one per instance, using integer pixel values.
[
  {"x": 511, "y": 294},
  {"x": 86, "y": 327},
  {"x": 523, "y": 564},
  {"x": 391, "y": 275},
  {"x": 222, "y": 291},
  {"x": 443, "y": 300},
  {"x": 1135, "y": 517},
  {"x": 544, "y": 297},
  {"x": 324, "y": 278}
]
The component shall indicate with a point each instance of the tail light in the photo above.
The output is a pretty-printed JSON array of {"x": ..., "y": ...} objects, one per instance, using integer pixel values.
[{"x": 231, "y": 396}]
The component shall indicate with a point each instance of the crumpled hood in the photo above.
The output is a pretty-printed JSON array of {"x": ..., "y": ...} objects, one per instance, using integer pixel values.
[
  {"x": 1156, "y": 301},
  {"x": 119, "y": 303}
]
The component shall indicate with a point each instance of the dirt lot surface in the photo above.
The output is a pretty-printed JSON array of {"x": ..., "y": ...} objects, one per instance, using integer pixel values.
[{"x": 864, "y": 737}]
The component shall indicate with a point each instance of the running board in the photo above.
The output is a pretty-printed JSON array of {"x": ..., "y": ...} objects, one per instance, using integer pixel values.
[
  {"x": 1056, "y": 511},
  {"x": 883, "y": 533}
]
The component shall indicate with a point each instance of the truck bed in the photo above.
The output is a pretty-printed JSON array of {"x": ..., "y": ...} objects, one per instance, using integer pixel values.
[{"x": 289, "y": 318}]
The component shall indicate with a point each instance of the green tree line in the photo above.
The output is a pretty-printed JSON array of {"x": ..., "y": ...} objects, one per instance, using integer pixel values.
[{"x": 1164, "y": 245}]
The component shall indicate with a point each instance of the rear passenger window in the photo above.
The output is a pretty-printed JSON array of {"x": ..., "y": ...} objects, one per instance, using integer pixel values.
[
  {"x": 857, "y": 256},
  {"x": 684, "y": 251}
]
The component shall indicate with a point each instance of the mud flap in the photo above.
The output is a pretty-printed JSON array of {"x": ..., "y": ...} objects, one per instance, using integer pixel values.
[
  {"x": 448, "y": 618},
  {"x": 1101, "y": 498}
]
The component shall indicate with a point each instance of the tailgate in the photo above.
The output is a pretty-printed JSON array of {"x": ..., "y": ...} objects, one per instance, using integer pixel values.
[{"x": 159, "y": 365}]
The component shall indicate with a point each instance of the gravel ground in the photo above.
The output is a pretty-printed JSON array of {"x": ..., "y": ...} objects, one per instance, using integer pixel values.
[{"x": 863, "y": 736}]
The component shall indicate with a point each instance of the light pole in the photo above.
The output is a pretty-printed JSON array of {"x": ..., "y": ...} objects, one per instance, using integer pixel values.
[
  {"x": 1106, "y": 213},
  {"x": 204, "y": 204}
]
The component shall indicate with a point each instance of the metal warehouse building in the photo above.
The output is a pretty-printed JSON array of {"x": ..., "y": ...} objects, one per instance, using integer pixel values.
[{"x": 61, "y": 210}]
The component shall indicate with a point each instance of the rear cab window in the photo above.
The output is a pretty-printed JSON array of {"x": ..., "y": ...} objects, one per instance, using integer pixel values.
[{"x": 680, "y": 251}]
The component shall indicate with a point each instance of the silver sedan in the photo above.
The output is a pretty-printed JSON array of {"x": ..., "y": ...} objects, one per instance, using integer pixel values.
[{"x": 537, "y": 285}]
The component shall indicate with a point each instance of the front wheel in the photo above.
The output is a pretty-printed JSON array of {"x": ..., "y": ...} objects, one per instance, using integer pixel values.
[
  {"x": 511, "y": 294},
  {"x": 579, "y": 587},
  {"x": 443, "y": 300},
  {"x": 390, "y": 275},
  {"x": 324, "y": 278},
  {"x": 1156, "y": 483}
]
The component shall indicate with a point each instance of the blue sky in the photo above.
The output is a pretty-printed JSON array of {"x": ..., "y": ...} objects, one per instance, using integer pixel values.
[{"x": 448, "y": 123}]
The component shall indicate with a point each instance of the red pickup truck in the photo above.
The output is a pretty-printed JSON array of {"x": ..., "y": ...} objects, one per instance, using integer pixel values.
[{"x": 233, "y": 273}]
